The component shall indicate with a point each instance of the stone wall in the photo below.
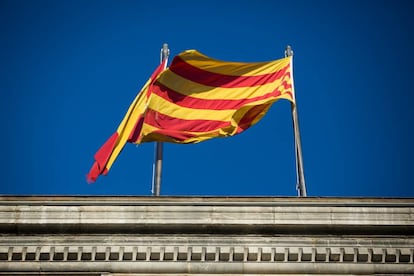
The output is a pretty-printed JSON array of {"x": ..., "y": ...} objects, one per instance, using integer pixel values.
[{"x": 205, "y": 235}]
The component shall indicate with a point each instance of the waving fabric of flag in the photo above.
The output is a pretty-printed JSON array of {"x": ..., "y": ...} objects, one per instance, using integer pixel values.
[
  {"x": 126, "y": 132},
  {"x": 198, "y": 98}
]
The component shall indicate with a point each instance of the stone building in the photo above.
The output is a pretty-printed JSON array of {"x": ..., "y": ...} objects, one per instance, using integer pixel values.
[{"x": 205, "y": 236}]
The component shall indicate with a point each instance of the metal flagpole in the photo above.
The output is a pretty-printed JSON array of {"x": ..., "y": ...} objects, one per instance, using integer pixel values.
[
  {"x": 300, "y": 177},
  {"x": 157, "y": 169}
]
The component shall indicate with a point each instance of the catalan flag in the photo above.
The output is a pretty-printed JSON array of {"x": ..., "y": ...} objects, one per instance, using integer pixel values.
[{"x": 198, "y": 98}]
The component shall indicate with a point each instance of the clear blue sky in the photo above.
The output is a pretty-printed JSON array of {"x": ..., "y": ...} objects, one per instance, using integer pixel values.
[{"x": 70, "y": 69}]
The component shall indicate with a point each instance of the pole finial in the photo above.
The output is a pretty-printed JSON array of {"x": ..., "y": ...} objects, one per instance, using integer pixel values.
[
  {"x": 165, "y": 52},
  {"x": 288, "y": 51}
]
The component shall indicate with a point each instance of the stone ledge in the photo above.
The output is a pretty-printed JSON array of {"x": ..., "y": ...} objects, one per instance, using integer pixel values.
[
  {"x": 209, "y": 215},
  {"x": 205, "y": 236}
]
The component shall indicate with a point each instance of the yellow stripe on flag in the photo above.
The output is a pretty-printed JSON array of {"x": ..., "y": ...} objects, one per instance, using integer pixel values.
[
  {"x": 189, "y": 88},
  {"x": 199, "y": 60}
]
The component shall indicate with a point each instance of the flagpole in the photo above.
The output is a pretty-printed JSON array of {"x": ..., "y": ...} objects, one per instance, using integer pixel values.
[
  {"x": 157, "y": 169},
  {"x": 300, "y": 176}
]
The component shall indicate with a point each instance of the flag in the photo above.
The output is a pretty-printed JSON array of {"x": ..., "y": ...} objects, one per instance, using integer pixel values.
[{"x": 198, "y": 98}]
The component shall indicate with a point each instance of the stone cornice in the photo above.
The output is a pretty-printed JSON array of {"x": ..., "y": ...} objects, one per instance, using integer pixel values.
[
  {"x": 205, "y": 215},
  {"x": 207, "y": 254},
  {"x": 205, "y": 235}
]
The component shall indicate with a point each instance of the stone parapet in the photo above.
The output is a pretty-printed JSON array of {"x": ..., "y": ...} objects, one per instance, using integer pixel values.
[{"x": 205, "y": 235}]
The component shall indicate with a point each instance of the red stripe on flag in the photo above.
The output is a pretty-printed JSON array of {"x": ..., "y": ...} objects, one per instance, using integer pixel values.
[
  {"x": 195, "y": 74},
  {"x": 250, "y": 116},
  {"x": 154, "y": 75},
  {"x": 159, "y": 69},
  {"x": 101, "y": 158},
  {"x": 164, "y": 122},
  {"x": 167, "y": 135},
  {"x": 133, "y": 137},
  {"x": 197, "y": 103}
]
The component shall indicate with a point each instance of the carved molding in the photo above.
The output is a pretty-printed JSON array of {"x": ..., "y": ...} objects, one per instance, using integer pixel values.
[{"x": 210, "y": 253}]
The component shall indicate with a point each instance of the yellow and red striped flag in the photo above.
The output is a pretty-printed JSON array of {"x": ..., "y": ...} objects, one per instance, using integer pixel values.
[
  {"x": 198, "y": 98},
  {"x": 127, "y": 131}
]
